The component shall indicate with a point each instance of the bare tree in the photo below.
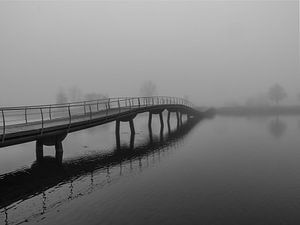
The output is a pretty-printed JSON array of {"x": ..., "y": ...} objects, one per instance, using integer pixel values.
[
  {"x": 148, "y": 89},
  {"x": 75, "y": 94},
  {"x": 277, "y": 93},
  {"x": 61, "y": 96}
]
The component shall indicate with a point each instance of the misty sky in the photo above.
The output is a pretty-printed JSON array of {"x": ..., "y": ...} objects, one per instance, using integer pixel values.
[{"x": 215, "y": 52}]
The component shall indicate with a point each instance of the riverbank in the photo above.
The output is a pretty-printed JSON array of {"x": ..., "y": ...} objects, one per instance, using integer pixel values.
[{"x": 267, "y": 110}]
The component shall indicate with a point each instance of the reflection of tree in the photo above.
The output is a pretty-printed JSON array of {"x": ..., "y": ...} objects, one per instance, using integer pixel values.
[{"x": 277, "y": 127}]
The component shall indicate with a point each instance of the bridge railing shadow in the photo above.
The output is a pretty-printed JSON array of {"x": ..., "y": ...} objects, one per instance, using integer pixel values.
[{"x": 34, "y": 182}]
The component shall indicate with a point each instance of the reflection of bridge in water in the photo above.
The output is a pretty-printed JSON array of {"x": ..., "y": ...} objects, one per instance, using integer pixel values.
[{"x": 49, "y": 185}]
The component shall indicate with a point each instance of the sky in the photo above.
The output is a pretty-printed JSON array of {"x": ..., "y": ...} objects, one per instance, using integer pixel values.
[{"x": 214, "y": 52}]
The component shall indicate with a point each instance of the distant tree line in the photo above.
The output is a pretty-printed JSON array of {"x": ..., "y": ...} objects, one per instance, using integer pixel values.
[{"x": 74, "y": 94}]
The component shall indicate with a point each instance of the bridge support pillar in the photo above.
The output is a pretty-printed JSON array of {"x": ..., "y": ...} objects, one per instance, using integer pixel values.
[
  {"x": 178, "y": 119},
  {"x": 169, "y": 117},
  {"x": 39, "y": 150},
  {"x": 132, "y": 137},
  {"x": 168, "y": 121},
  {"x": 160, "y": 113},
  {"x": 181, "y": 114},
  {"x": 150, "y": 120},
  {"x": 59, "y": 152},
  {"x": 161, "y": 118},
  {"x": 132, "y": 129},
  {"x": 118, "y": 142},
  {"x": 55, "y": 140},
  {"x": 131, "y": 124},
  {"x": 117, "y": 128}
]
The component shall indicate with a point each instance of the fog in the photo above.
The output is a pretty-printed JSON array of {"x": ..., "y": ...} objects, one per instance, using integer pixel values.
[{"x": 214, "y": 52}]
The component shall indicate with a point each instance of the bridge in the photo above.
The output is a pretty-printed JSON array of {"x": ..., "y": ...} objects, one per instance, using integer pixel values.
[{"x": 49, "y": 124}]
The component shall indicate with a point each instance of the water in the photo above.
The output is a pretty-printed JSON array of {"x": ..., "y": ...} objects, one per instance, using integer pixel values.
[{"x": 225, "y": 170}]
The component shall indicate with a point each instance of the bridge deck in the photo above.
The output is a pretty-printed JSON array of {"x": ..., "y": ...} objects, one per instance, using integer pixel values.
[
  {"x": 36, "y": 125},
  {"x": 71, "y": 117}
]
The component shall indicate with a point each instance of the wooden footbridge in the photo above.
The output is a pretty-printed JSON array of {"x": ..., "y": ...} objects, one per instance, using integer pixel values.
[{"x": 50, "y": 124}]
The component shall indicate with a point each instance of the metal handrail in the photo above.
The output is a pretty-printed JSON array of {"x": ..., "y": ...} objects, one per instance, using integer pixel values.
[{"x": 42, "y": 114}]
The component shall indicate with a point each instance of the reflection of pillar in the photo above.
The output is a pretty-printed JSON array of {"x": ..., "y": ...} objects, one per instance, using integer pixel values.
[
  {"x": 121, "y": 168},
  {"x": 118, "y": 133},
  {"x": 140, "y": 163},
  {"x": 39, "y": 150},
  {"x": 71, "y": 190},
  {"x": 92, "y": 179},
  {"x": 150, "y": 120},
  {"x": 59, "y": 152},
  {"x": 44, "y": 202},
  {"x": 108, "y": 174},
  {"x": 147, "y": 160},
  {"x": 6, "y": 216}
]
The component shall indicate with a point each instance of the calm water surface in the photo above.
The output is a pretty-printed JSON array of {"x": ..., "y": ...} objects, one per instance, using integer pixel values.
[{"x": 225, "y": 170}]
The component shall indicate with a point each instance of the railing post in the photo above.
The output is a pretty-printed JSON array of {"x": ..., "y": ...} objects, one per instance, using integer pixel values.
[
  {"x": 139, "y": 102},
  {"x": 119, "y": 105},
  {"x": 106, "y": 108},
  {"x": 109, "y": 103},
  {"x": 50, "y": 116},
  {"x": 26, "y": 120},
  {"x": 3, "y": 123},
  {"x": 70, "y": 117},
  {"x": 84, "y": 108},
  {"x": 97, "y": 105},
  {"x": 90, "y": 111},
  {"x": 42, "y": 121},
  {"x": 129, "y": 103}
]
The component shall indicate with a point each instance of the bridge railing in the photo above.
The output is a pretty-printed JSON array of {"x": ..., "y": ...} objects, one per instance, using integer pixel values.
[{"x": 42, "y": 116}]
